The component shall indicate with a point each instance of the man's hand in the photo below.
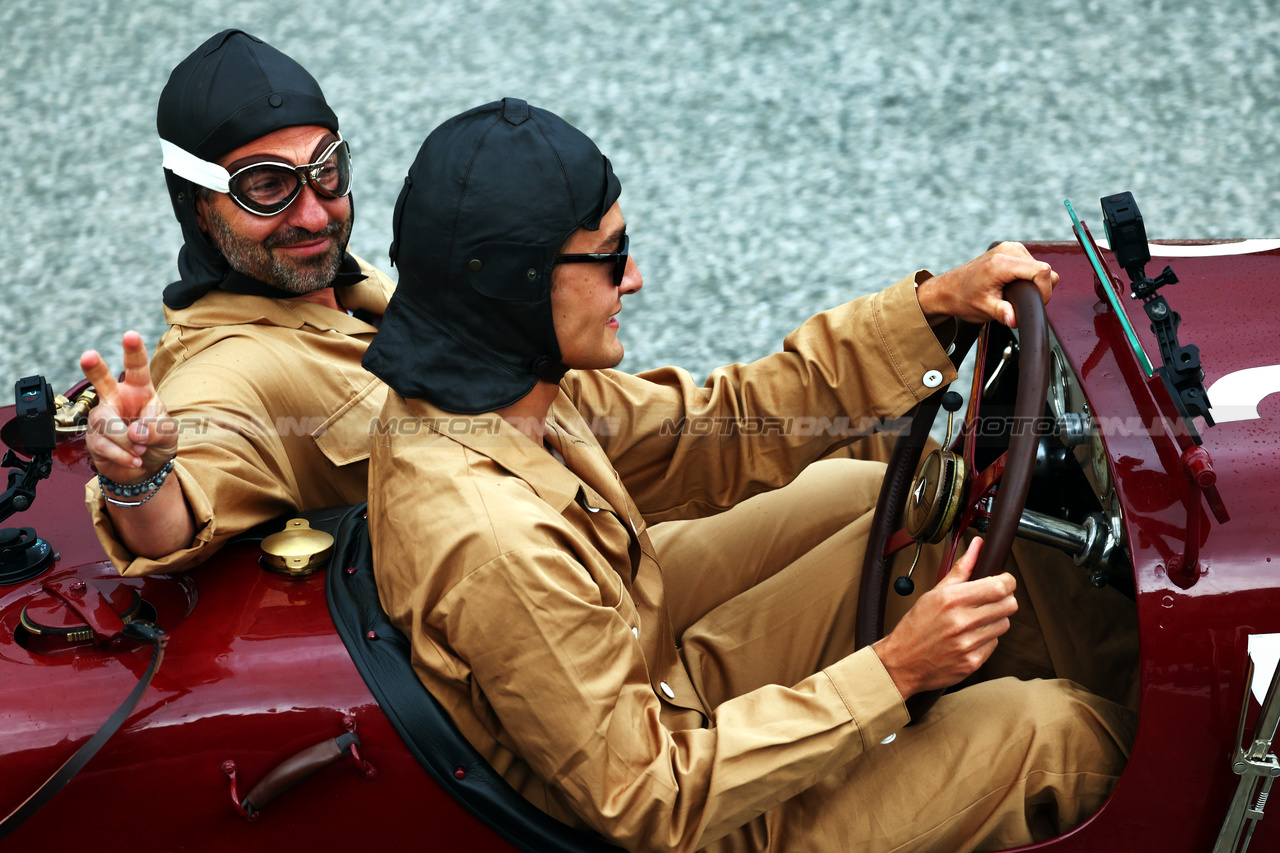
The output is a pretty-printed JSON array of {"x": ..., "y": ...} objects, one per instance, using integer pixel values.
[
  {"x": 950, "y": 631},
  {"x": 130, "y": 435},
  {"x": 974, "y": 292}
]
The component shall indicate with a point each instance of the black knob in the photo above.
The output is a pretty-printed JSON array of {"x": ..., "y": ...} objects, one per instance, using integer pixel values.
[
  {"x": 904, "y": 586},
  {"x": 951, "y": 401}
]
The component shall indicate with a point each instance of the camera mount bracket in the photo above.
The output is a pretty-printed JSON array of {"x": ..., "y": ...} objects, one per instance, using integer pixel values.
[
  {"x": 1180, "y": 370},
  {"x": 23, "y": 554}
]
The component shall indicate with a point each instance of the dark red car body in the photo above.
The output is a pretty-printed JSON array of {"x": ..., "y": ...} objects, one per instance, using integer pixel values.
[{"x": 254, "y": 671}]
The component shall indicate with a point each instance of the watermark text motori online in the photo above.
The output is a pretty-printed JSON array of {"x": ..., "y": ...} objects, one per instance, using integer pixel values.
[{"x": 802, "y": 426}]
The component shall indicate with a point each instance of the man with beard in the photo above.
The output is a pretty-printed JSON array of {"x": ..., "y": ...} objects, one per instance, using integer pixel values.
[{"x": 255, "y": 403}]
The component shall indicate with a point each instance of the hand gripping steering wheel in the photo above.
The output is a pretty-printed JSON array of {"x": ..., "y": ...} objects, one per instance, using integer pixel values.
[{"x": 959, "y": 486}]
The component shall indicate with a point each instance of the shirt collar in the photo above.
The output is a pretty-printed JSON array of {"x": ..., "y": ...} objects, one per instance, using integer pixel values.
[{"x": 492, "y": 437}]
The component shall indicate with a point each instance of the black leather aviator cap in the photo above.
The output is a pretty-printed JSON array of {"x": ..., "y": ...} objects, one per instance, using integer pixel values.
[
  {"x": 491, "y": 197},
  {"x": 231, "y": 90}
]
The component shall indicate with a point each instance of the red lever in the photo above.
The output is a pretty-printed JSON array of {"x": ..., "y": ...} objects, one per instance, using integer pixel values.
[
  {"x": 1198, "y": 466},
  {"x": 1184, "y": 570}
]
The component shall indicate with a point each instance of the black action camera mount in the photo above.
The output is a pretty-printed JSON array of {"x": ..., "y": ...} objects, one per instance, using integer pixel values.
[
  {"x": 23, "y": 555},
  {"x": 1181, "y": 369}
]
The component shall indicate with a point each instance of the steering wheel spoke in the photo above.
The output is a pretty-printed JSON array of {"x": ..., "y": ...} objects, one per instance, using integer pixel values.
[{"x": 899, "y": 540}]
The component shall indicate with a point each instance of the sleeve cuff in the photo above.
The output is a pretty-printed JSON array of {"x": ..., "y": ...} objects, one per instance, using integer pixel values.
[
  {"x": 917, "y": 351},
  {"x": 130, "y": 565},
  {"x": 870, "y": 695}
]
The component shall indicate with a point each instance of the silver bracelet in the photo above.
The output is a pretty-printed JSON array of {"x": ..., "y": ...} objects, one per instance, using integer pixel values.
[{"x": 149, "y": 487}]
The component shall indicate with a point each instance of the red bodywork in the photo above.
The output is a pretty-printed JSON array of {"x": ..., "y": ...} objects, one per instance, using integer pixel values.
[{"x": 254, "y": 671}]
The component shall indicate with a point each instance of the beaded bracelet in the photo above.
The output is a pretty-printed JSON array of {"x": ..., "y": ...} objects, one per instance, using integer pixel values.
[{"x": 152, "y": 485}]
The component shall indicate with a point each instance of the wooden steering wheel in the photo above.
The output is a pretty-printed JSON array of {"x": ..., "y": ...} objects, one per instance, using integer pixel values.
[{"x": 954, "y": 491}]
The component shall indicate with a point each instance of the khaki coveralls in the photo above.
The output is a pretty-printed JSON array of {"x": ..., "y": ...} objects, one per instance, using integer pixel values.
[
  {"x": 273, "y": 409},
  {"x": 637, "y": 696}
]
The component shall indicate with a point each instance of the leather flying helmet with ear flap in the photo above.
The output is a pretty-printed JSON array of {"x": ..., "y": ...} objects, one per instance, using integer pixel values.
[
  {"x": 491, "y": 197},
  {"x": 231, "y": 90}
]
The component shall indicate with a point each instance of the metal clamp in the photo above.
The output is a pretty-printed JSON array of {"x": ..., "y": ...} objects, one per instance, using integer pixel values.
[{"x": 1256, "y": 766}]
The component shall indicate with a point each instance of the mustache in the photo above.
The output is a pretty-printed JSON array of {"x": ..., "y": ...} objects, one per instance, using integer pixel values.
[{"x": 293, "y": 236}]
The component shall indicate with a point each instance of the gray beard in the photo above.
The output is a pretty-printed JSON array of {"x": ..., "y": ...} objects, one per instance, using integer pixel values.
[{"x": 293, "y": 275}]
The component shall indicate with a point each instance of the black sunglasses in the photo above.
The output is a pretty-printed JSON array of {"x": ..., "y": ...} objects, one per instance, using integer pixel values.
[{"x": 619, "y": 259}]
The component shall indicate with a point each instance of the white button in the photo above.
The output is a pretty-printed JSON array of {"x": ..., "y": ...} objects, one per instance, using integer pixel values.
[
  {"x": 666, "y": 688},
  {"x": 891, "y": 738},
  {"x": 932, "y": 379},
  {"x": 636, "y": 631}
]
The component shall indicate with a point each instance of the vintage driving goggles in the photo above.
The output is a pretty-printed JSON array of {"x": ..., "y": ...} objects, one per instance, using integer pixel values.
[{"x": 265, "y": 186}]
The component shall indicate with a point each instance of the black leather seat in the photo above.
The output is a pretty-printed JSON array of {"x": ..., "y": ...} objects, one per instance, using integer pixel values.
[{"x": 426, "y": 728}]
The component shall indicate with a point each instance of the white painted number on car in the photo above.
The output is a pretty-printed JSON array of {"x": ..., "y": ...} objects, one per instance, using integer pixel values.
[{"x": 1235, "y": 397}]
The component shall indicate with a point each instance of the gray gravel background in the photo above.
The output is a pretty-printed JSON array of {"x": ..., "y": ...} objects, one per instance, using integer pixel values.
[{"x": 776, "y": 157}]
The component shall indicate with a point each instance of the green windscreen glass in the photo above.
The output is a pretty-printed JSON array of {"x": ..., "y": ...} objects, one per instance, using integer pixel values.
[{"x": 1105, "y": 279}]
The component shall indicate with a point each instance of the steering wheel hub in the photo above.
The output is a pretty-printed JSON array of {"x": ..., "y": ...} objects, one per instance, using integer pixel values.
[{"x": 936, "y": 496}]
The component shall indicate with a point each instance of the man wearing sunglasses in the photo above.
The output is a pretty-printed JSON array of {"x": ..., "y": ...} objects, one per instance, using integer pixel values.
[
  {"x": 255, "y": 402},
  {"x": 665, "y": 704}
]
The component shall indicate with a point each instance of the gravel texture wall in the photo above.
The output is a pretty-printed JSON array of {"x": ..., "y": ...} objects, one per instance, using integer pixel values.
[{"x": 776, "y": 157}]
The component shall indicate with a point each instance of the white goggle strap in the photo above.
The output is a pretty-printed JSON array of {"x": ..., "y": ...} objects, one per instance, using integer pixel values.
[{"x": 189, "y": 166}]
